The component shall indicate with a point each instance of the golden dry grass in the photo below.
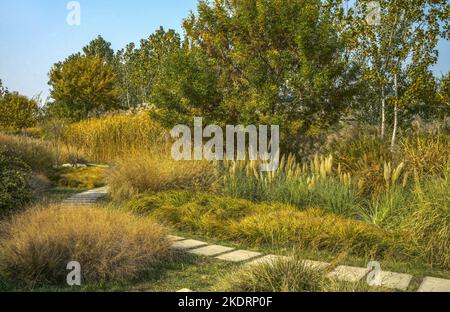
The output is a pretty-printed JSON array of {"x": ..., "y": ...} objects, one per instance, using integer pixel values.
[
  {"x": 155, "y": 171},
  {"x": 110, "y": 245},
  {"x": 107, "y": 138}
]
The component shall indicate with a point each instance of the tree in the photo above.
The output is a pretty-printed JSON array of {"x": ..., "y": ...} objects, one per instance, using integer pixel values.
[
  {"x": 17, "y": 111},
  {"x": 400, "y": 49},
  {"x": 81, "y": 86},
  {"x": 276, "y": 61},
  {"x": 100, "y": 48}
]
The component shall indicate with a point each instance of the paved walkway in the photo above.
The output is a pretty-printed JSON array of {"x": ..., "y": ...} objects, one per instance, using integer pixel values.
[
  {"x": 87, "y": 198},
  {"x": 398, "y": 281},
  {"x": 392, "y": 280}
]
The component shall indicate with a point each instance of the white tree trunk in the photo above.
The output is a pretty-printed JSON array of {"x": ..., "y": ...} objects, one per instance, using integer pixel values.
[
  {"x": 383, "y": 113},
  {"x": 394, "y": 131}
]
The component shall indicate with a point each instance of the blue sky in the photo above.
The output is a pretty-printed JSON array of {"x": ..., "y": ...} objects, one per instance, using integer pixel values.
[{"x": 34, "y": 34}]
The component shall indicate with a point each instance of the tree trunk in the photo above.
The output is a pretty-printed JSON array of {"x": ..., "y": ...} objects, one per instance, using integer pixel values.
[
  {"x": 383, "y": 113},
  {"x": 394, "y": 130}
]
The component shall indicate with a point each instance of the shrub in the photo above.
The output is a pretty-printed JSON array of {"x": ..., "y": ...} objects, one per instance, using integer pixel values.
[
  {"x": 109, "y": 245},
  {"x": 14, "y": 190},
  {"x": 155, "y": 171}
]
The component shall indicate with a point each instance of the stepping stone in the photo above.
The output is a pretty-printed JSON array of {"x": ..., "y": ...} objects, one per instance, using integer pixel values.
[
  {"x": 269, "y": 259},
  {"x": 395, "y": 280},
  {"x": 211, "y": 250},
  {"x": 348, "y": 273},
  {"x": 188, "y": 244},
  {"x": 87, "y": 198},
  {"x": 185, "y": 290},
  {"x": 316, "y": 265},
  {"x": 239, "y": 255},
  {"x": 175, "y": 238},
  {"x": 433, "y": 284}
]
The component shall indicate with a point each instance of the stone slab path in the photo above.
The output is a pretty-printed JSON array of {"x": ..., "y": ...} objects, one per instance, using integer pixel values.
[
  {"x": 433, "y": 284},
  {"x": 87, "y": 198},
  {"x": 399, "y": 281},
  {"x": 392, "y": 280}
]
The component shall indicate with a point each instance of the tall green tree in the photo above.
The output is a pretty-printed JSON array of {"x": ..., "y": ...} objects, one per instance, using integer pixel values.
[
  {"x": 100, "y": 48},
  {"x": 82, "y": 86},
  {"x": 277, "y": 61}
]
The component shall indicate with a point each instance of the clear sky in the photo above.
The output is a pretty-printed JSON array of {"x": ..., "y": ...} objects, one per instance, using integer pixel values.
[{"x": 34, "y": 34}]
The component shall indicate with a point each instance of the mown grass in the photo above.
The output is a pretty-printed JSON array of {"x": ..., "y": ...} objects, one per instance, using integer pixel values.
[{"x": 180, "y": 270}]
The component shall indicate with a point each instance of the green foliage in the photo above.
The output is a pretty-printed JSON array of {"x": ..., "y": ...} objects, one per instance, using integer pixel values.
[
  {"x": 17, "y": 111},
  {"x": 82, "y": 86},
  {"x": 99, "y": 48},
  {"x": 14, "y": 190}
]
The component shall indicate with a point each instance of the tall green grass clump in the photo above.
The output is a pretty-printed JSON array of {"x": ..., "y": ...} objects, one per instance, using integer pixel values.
[
  {"x": 428, "y": 223},
  {"x": 288, "y": 274},
  {"x": 299, "y": 184}
]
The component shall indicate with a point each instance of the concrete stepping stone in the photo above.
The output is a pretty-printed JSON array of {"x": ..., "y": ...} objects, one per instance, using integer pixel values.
[
  {"x": 88, "y": 197},
  {"x": 395, "y": 280},
  {"x": 211, "y": 250},
  {"x": 269, "y": 259},
  {"x": 239, "y": 256},
  {"x": 316, "y": 265},
  {"x": 174, "y": 238},
  {"x": 185, "y": 290},
  {"x": 187, "y": 244},
  {"x": 348, "y": 273},
  {"x": 434, "y": 284}
]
